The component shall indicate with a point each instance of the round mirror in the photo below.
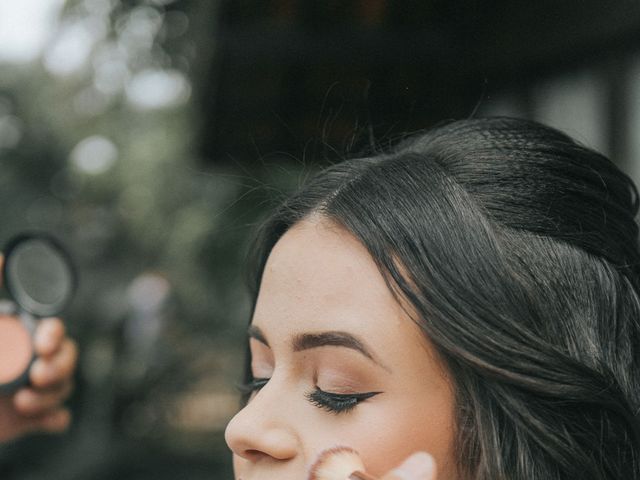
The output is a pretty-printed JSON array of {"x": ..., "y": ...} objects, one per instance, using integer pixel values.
[{"x": 38, "y": 274}]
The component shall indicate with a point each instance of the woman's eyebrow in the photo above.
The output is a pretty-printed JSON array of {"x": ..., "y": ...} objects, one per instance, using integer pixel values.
[
  {"x": 255, "y": 332},
  {"x": 306, "y": 341}
]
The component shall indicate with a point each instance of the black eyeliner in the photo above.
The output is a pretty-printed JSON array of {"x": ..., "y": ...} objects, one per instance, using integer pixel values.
[{"x": 337, "y": 402}]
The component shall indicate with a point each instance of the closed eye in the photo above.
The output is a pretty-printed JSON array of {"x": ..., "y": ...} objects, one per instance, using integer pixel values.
[{"x": 337, "y": 402}]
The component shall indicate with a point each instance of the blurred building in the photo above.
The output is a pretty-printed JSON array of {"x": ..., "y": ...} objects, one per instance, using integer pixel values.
[{"x": 341, "y": 74}]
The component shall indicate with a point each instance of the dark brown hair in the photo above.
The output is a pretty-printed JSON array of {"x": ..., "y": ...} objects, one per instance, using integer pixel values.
[{"x": 518, "y": 249}]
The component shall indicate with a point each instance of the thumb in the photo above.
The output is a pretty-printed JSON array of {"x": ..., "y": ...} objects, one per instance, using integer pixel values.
[{"x": 418, "y": 466}]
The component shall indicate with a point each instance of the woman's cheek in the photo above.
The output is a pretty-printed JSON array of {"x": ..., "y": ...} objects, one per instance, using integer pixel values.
[
  {"x": 395, "y": 431},
  {"x": 369, "y": 429},
  {"x": 380, "y": 438}
]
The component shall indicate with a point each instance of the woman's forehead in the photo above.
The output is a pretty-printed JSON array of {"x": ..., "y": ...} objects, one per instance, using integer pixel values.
[
  {"x": 319, "y": 277},
  {"x": 319, "y": 265}
]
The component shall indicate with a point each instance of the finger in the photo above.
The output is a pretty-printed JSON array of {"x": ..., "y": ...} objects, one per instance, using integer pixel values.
[
  {"x": 419, "y": 466},
  {"x": 33, "y": 403},
  {"x": 52, "y": 422},
  {"x": 48, "y": 372},
  {"x": 56, "y": 421},
  {"x": 49, "y": 336}
]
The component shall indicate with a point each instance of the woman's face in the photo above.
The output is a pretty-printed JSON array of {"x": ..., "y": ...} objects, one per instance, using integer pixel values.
[{"x": 336, "y": 361}]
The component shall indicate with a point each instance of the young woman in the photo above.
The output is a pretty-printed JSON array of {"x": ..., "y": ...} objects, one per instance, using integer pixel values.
[{"x": 473, "y": 294}]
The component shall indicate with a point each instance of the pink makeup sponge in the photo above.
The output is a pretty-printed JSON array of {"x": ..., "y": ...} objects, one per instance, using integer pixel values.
[{"x": 339, "y": 463}]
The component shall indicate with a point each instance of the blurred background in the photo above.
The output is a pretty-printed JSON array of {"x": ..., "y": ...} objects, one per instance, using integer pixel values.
[{"x": 151, "y": 136}]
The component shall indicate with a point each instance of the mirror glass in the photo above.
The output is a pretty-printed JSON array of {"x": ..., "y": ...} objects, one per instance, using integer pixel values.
[{"x": 39, "y": 275}]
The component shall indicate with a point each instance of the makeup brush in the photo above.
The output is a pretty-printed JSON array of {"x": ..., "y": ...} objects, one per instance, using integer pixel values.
[{"x": 339, "y": 463}]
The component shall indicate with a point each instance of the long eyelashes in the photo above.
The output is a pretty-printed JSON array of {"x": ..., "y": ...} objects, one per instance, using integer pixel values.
[
  {"x": 331, "y": 402},
  {"x": 337, "y": 402}
]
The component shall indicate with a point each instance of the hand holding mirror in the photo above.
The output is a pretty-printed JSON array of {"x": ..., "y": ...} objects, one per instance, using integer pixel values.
[{"x": 41, "y": 280}]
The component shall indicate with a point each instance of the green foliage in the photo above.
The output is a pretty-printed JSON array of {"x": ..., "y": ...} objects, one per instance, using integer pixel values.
[{"x": 99, "y": 151}]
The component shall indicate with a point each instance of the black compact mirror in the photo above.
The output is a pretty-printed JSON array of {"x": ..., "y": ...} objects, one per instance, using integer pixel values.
[{"x": 38, "y": 274}]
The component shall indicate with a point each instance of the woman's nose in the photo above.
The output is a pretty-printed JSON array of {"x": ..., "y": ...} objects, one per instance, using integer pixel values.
[{"x": 262, "y": 429}]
